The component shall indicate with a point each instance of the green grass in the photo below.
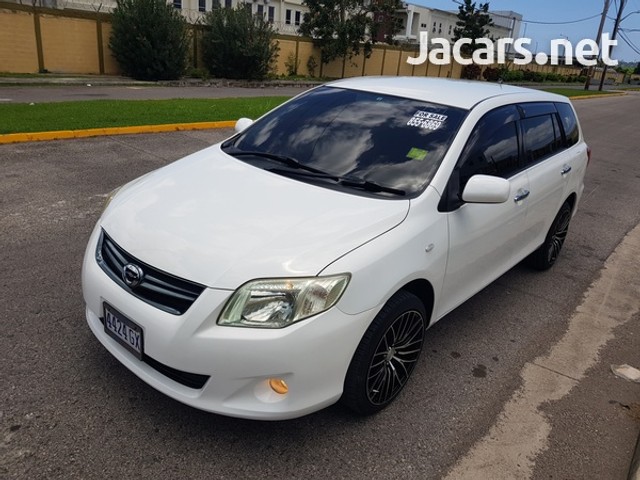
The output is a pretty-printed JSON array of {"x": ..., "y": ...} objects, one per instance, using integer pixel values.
[
  {"x": 43, "y": 117},
  {"x": 575, "y": 92}
]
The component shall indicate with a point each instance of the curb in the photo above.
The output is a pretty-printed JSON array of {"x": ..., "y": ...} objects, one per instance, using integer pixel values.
[
  {"x": 96, "y": 132},
  {"x": 634, "y": 469},
  {"x": 607, "y": 95}
]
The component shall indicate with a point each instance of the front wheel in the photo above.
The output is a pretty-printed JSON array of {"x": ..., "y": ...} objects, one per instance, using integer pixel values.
[
  {"x": 386, "y": 355},
  {"x": 545, "y": 256}
]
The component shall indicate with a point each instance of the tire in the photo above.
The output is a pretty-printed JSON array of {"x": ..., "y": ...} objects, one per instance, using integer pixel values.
[
  {"x": 386, "y": 355},
  {"x": 545, "y": 256}
]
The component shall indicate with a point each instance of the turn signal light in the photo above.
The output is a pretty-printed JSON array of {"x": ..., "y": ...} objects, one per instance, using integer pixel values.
[{"x": 278, "y": 385}]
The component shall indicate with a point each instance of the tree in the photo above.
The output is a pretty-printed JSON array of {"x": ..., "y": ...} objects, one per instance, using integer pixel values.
[
  {"x": 473, "y": 22},
  {"x": 237, "y": 44},
  {"x": 342, "y": 28},
  {"x": 637, "y": 70},
  {"x": 149, "y": 39}
]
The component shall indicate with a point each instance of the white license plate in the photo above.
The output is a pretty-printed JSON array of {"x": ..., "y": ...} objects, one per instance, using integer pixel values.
[{"x": 125, "y": 331}]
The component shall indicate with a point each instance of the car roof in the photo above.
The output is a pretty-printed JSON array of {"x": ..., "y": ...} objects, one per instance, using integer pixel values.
[{"x": 445, "y": 91}]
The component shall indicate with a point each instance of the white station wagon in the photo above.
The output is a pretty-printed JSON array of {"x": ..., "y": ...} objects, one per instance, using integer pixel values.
[{"x": 301, "y": 261}]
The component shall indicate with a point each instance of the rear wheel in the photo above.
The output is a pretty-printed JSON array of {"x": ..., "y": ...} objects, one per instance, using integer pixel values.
[
  {"x": 386, "y": 355},
  {"x": 547, "y": 254}
]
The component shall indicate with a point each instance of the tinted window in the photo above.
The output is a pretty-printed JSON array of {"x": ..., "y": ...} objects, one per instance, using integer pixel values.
[
  {"x": 536, "y": 109},
  {"x": 395, "y": 142},
  {"x": 569, "y": 122},
  {"x": 492, "y": 148},
  {"x": 540, "y": 138}
]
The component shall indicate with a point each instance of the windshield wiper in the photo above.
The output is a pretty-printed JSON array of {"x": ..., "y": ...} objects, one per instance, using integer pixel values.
[
  {"x": 284, "y": 159},
  {"x": 370, "y": 186},
  {"x": 312, "y": 172}
]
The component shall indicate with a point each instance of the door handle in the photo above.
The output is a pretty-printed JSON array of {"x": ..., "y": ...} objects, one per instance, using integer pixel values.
[
  {"x": 566, "y": 169},
  {"x": 521, "y": 195}
]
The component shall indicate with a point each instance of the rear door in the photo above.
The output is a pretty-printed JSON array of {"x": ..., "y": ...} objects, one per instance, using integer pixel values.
[{"x": 549, "y": 166}]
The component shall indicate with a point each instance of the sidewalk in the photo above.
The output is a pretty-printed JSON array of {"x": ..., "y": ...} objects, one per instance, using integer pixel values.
[{"x": 112, "y": 80}]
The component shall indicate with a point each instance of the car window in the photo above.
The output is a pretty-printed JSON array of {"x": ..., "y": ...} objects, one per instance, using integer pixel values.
[
  {"x": 570, "y": 123},
  {"x": 395, "y": 142},
  {"x": 492, "y": 148},
  {"x": 542, "y": 137}
]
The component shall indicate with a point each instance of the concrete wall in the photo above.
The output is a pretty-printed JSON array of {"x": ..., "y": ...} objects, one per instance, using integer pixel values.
[
  {"x": 45, "y": 39},
  {"x": 18, "y": 52},
  {"x": 69, "y": 44}
]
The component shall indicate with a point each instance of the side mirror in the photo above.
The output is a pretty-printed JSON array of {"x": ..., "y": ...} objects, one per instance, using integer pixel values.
[
  {"x": 486, "y": 189},
  {"x": 243, "y": 124}
]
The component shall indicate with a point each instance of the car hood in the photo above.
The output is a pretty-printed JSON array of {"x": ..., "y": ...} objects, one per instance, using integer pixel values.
[{"x": 218, "y": 221}]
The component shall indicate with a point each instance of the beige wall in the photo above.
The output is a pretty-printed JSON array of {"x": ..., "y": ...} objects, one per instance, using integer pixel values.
[
  {"x": 18, "y": 51},
  {"x": 69, "y": 45},
  {"x": 110, "y": 64}
]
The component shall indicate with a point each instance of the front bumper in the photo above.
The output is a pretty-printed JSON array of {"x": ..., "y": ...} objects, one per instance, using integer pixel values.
[{"x": 312, "y": 356}]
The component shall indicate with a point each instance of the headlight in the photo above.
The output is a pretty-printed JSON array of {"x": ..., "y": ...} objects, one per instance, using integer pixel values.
[
  {"x": 110, "y": 196},
  {"x": 279, "y": 302}
]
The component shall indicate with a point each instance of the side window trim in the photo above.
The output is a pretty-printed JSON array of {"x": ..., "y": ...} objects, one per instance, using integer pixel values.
[{"x": 450, "y": 200}]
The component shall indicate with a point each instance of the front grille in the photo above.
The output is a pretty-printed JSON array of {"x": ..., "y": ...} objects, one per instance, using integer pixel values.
[
  {"x": 191, "y": 380},
  {"x": 160, "y": 289}
]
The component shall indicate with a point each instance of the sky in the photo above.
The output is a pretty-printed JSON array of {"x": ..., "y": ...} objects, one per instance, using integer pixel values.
[{"x": 565, "y": 11}]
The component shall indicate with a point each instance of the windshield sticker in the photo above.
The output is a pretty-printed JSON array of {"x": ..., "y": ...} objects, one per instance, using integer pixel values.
[
  {"x": 417, "y": 154},
  {"x": 427, "y": 120}
]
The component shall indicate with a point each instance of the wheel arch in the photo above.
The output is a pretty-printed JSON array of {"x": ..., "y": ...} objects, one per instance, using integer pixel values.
[
  {"x": 571, "y": 199},
  {"x": 422, "y": 289}
]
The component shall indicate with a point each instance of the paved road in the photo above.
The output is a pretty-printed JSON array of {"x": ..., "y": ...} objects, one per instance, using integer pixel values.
[
  {"x": 62, "y": 93},
  {"x": 69, "y": 410}
]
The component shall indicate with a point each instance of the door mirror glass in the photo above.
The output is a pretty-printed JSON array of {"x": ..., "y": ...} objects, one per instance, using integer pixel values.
[
  {"x": 486, "y": 189},
  {"x": 243, "y": 124}
]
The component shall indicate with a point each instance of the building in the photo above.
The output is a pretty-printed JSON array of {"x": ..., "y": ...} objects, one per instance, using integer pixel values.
[
  {"x": 441, "y": 23},
  {"x": 286, "y": 16}
]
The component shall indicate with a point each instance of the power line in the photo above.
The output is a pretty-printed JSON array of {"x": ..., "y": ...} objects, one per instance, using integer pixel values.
[
  {"x": 524, "y": 20},
  {"x": 563, "y": 23},
  {"x": 629, "y": 43}
]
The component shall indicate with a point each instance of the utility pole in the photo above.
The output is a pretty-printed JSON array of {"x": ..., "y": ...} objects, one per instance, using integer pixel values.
[
  {"x": 607, "y": 3},
  {"x": 613, "y": 37}
]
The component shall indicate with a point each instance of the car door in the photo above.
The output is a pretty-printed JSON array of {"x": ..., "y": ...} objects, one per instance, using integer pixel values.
[
  {"x": 549, "y": 167},
  {"x": 484, "y": 239}
]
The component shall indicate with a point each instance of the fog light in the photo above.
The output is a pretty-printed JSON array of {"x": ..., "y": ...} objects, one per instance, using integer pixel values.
[{"x": 278, "y": 385}]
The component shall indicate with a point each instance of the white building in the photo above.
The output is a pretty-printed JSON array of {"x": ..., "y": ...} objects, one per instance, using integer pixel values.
[
  {"x": 441, "y": 23},
  {"x": 286, "y": 15}
]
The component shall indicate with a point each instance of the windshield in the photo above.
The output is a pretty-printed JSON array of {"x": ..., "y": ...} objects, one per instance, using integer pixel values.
[{"x": 390, "y": 142}]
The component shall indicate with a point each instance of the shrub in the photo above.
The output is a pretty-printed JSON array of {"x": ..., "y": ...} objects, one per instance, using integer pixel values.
[
  {"x": 312, "y": 64},
  {"x": 471, "y": 72},
  {"x": 513, "y": 76},
  {"x": 149, "y": 39},
  {"x": 539, "y": 77},
  {"x": 292, "y": 64},
  {"x": 237, "y": 44},
  {"x": 491, "y": 74}
]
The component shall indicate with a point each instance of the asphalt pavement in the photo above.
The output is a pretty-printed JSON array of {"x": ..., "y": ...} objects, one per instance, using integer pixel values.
[{"x": 69, "y": 410}]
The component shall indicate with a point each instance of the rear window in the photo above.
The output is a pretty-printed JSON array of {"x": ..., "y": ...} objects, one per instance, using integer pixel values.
[
  {"x": 541, "y": 137},
  {"x": 569, "y": 122},
  {"x": 392, "y": 141}
]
